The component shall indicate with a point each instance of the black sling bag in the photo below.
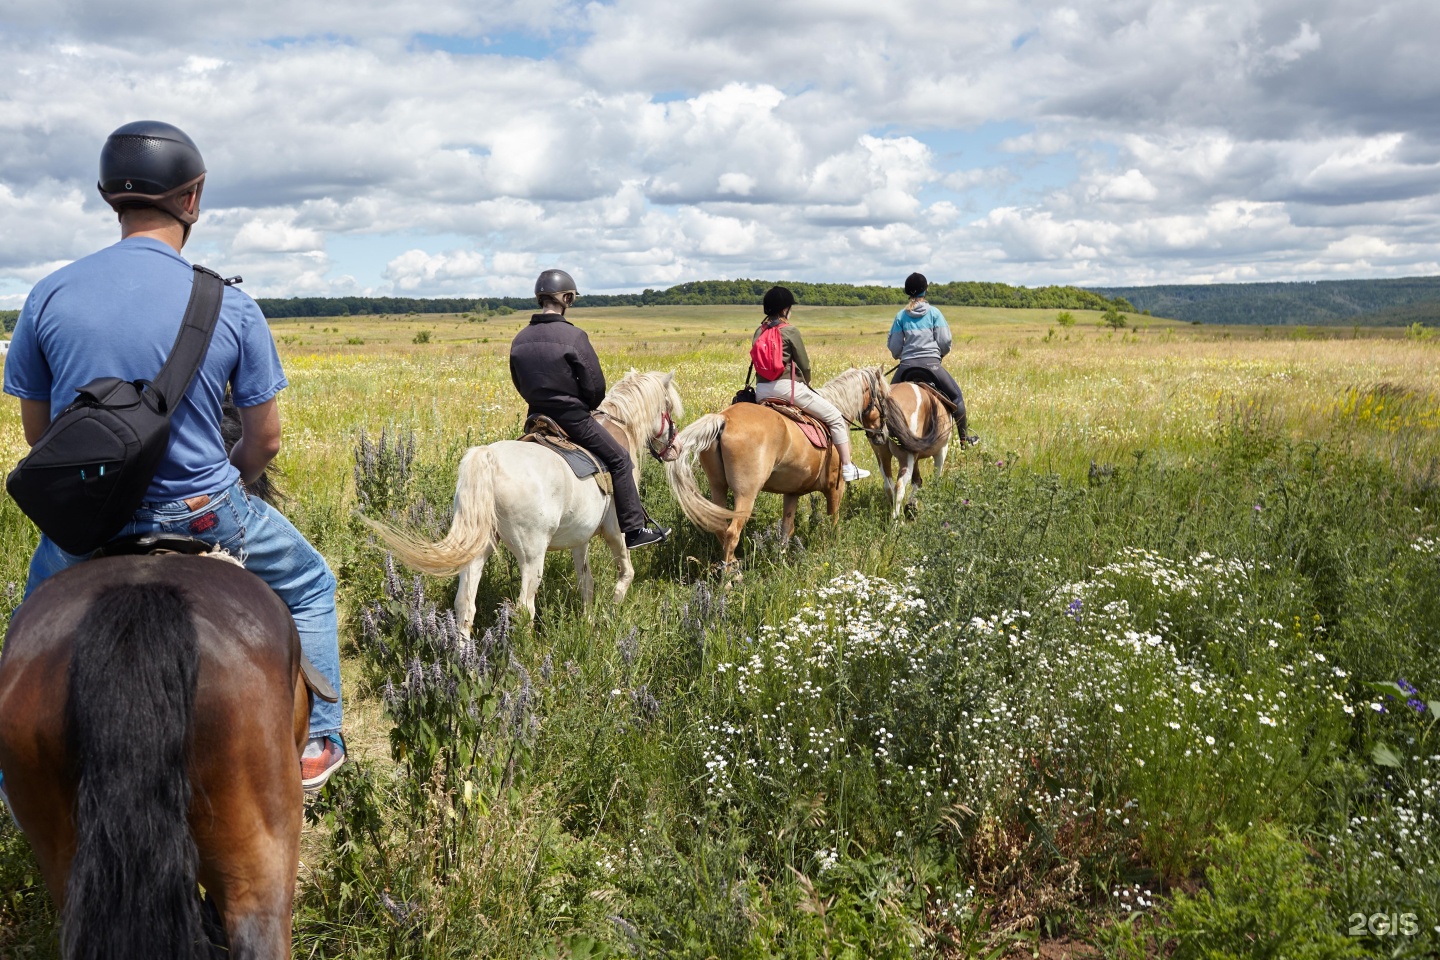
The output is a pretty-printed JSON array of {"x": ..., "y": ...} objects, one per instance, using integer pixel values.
[{"x": 87, "y": 474}]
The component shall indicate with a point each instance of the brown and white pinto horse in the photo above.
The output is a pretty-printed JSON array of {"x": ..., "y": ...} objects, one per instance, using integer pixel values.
[
  {"x": 928, "y": 429},
  {"x": 748, "y": 448}
]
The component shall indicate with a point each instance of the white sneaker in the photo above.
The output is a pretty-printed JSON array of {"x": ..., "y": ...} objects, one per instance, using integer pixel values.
[{"x": 851, "y": 473}]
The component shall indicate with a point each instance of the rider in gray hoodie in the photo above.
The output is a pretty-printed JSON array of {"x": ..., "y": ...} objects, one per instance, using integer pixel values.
[{"x": 919, "y": 338}]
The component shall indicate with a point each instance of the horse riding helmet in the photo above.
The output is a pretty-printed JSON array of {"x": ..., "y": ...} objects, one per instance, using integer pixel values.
[
  {"x": 151, "y": 164},
  {"x": 916, "y": 285},
  {"x": 554, "y": 284},
  {"x": 777, "y": 301}
]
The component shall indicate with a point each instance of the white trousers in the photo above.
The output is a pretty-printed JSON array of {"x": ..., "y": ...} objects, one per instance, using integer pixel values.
[{"x": 809, "y": 401}]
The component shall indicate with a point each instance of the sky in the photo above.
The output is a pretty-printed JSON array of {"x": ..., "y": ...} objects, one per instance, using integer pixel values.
[{"x": 458, "y": 147}]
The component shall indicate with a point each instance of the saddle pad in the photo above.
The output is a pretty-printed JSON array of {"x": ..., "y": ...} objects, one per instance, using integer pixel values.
[
  {"x": 582, "y": 462},
  {"x": 815, "y": 431}
]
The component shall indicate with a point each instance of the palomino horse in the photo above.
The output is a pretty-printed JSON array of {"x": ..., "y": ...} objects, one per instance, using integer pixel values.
[
  {"x": 748, "y": 448},
  {"x": 528, "y": 498},
  {"x": 152, "y": 715},
  {"x": 929, "y": 425}
]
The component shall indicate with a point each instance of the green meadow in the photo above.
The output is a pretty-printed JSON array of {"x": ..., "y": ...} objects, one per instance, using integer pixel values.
[{"x": 1152, "y": 672}]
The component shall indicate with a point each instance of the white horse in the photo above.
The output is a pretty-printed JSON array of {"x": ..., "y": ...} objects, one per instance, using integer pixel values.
[{"x": 528, "y": 498}]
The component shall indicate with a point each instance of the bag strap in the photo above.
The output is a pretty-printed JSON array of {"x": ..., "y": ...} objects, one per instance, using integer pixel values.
[
  {"x": 749, "y": 373},
  {"x": 191, "y": 343}
]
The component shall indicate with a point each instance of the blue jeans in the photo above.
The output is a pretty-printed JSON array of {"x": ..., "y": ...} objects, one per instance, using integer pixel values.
[{"x": 270, "y": 547}]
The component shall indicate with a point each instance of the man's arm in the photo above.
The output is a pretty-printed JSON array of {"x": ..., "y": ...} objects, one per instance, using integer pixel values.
[
  {"x": 259, "y": 439},
  {"x": 588, "y": 374},
  {"x": 34, "y": 417}
]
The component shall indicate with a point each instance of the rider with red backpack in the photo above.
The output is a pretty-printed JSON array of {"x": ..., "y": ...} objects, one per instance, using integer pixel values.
[{"x": 782, "y": 372}]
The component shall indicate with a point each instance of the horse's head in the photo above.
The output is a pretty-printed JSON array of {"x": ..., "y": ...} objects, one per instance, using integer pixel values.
[
  {"x": 662, "y": 440},
  {"x": 877, "y": 396},
  {"x": 648, "y": 405}
]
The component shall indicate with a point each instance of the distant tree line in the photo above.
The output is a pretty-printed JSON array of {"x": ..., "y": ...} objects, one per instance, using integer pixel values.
[
  {"x": 8, "y": 318},
  {"x": 1399, "y": 302},
  {"x": 702, "y": 292}
]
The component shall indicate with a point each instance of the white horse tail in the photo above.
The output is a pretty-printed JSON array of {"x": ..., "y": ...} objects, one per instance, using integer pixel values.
[
  {"x": 470, "y": 531},
  {"x": 700, "y": 436}
]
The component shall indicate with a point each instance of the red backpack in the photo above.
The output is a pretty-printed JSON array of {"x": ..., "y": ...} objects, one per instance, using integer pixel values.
[{"x": 768, "y": 352}]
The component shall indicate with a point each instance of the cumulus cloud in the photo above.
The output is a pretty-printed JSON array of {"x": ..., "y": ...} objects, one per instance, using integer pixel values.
[{"x": 1151, "y": 141}]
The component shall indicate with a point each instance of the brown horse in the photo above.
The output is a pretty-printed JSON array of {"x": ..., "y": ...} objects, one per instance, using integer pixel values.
[
  {"x": 749, "y": 448},
  {"x": 152, "y": 715},
  {"x": 929, "y": 426}
]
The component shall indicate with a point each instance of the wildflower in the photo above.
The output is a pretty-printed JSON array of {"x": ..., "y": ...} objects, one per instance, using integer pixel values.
[
  {"x": 1415, "y": 704},
  {"x": 1209, "y": 740},
  {"x": 1257, "y": 508}
]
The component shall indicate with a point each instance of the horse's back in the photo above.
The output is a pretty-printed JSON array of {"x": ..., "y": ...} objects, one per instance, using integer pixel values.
[
  {"x": 243, "y": 632},
  {"x": 770, "y": 444},
  {"x": 537, "y": 495}
]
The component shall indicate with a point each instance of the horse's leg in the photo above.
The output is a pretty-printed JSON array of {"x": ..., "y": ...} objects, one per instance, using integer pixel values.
[
  {"x": 715, "y": 474},
  {"x": 33, "y": 754},
  {"x": 467, "y": 588},
  {"x": 787, "y": 519},
  {"x": 624, "y": 569},
  {"x": 247, "y": 828},
  {"x": 531, "y": 557},
  {"x": 730, "y": 536},
  {"x": 904, "y": 470},
  {"x": 583, "y": 577},
  {"x": 939, "y": 457},
  {"x": 883, "y": 457},
  {"x": 832, "y": 502}
]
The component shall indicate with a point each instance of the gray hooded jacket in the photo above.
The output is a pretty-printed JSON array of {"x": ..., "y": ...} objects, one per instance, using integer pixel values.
[{"x": 918, "y": 337}]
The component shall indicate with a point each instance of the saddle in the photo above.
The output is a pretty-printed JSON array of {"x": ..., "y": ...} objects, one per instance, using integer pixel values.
[
  {"x": 164, "y": 544},
  {"x": 815, "y": 430},
  {"x": 584, "y": 464}
]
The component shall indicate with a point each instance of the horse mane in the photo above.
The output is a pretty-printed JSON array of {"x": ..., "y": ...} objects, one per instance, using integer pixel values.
[
  {"x": 637, "y": 397},
  {"x": 847, "y": 391}
]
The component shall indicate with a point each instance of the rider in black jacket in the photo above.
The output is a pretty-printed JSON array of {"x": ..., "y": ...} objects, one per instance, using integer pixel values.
[{"x": 555, "y": 369}]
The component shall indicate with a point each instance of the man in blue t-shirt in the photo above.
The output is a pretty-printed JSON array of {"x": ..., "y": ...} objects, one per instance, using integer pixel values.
[{"x": 116, "y": 313}]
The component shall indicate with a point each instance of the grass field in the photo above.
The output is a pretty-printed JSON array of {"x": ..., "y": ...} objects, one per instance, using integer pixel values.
[{"x": 1127, "y": 686}]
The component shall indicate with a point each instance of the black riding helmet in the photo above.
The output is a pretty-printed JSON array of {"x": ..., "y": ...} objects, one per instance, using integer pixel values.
[
  {"x": 777, "y": 301},
  {"x": 916, "y": 285},
  {"x": 554, "y": 284},
  {"x": 149, "y": 163}
]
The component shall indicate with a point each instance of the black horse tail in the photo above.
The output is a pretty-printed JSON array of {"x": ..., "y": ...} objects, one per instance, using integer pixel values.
[{"x": 132, "y": 887}]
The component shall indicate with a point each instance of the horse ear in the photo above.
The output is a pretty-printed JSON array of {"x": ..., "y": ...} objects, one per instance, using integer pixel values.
[{"x": 669, "y": 377}]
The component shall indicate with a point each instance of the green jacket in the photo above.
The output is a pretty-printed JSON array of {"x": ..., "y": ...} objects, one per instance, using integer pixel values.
[{"x": 795, "y": 356}]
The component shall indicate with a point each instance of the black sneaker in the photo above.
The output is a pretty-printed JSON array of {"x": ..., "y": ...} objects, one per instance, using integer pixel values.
[{"x": 645, "y": 535}]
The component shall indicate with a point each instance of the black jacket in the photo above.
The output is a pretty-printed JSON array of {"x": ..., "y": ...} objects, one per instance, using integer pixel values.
[{"x": 554, "y": 367}]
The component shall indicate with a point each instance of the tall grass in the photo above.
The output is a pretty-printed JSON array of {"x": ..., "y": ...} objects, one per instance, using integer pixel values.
[{"x": 1133, "y": 636}]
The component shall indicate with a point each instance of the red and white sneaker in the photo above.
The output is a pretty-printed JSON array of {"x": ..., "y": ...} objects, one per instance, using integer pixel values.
[{"x": 322, "y": 757}]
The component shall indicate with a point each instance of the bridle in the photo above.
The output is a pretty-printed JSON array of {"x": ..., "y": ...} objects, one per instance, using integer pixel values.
[
  {"x": 668, "y": 452},
  {"x": 881, "y": 436}
]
